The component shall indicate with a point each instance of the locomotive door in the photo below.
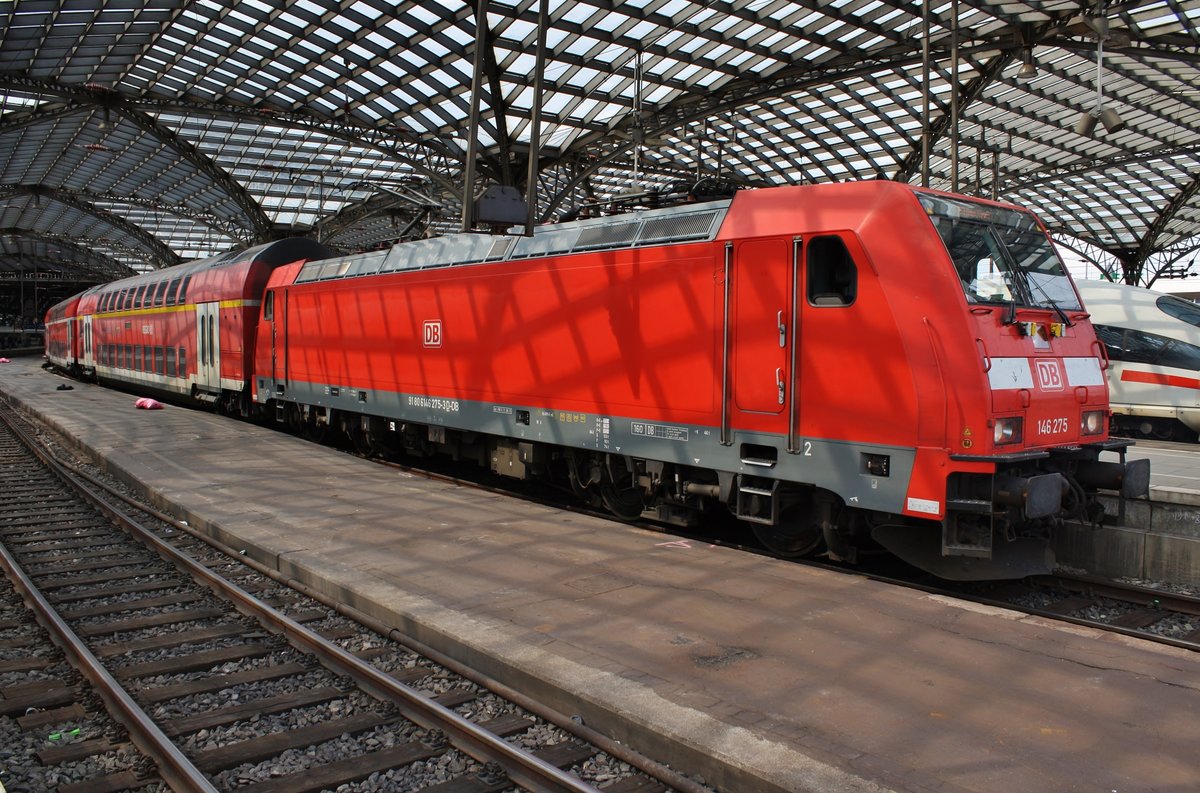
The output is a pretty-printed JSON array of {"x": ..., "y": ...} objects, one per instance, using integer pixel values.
[
  {"x": 762, "y": 317},
  {"x": 279, "y": 305},
  {"x": 208, "y": 345}
]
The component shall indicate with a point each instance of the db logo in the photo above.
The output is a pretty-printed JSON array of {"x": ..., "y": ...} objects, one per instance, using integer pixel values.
[
  {"x": 433, "y": 333},
  {"x": 1049, "y": 376}
]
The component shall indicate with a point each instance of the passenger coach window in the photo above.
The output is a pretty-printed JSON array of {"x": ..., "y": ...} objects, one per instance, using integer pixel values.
[
  {"x": 181, "y": 298},
  {"x": 832, "y": 276},
  {"x": 172, "y": 289},
  {"x": 1134, "y": 346},
  {"x": 170, "y": 362},
  {"x": 1179, "y": 308}
]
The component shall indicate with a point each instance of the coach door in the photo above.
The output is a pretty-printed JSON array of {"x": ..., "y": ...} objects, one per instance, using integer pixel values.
[
  {"x": 88, "y": 356},
  {"x": 761, "y": 331},
  {"x": 208, "y": 345}
]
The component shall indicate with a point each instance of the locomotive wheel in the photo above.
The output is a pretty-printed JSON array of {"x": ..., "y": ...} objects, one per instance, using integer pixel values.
[
  {"x": 625, "y": 505},
  {"x": 623, "y": 501},
  {"x": 798, "y": 532},
  {"x": 362, "y": 442},
  {"x": 314, "y": 431}
]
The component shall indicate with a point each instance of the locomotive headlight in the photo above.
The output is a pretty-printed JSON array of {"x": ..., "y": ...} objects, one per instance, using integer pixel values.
[
  {"x": 1092, "y": 422},
  {"x": 1007, "y": 431}
]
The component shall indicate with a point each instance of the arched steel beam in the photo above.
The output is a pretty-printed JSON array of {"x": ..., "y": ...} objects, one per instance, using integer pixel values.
[
  {"x": 1107, "y": 272},
  {"x": 387, "y": 197},
  {"x": 596, "y": 151},
  {"x": 1088, "y": 166},
  {"x": 967, "y": 94},
  {"x": 14, "y": 121},
  {"x": 259, "y": 224},
  {"x": 1166, "y": 268},
  {"x": 1168, "y": 213},
  {"x": 426, "y": 155},
  {"x": 159, "y": 252},
  {"x": 216, "y": 223},
  {"x": 602, "y": 148},
  {"x": 89, "y": 260},
  {"x": 220, "y": 225}
]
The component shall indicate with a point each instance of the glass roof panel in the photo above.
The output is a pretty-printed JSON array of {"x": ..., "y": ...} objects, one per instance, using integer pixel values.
[{"x": 786, "y": 91}]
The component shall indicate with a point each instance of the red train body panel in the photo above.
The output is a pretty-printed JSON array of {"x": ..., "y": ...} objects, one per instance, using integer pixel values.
[
  {"x": 61, "y": 340},
  {"x": 839, "y": 365},
  {"x": 184, "y": 330}
]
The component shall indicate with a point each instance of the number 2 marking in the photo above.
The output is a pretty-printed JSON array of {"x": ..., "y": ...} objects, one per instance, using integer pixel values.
[{"x": 808, "y": 448}]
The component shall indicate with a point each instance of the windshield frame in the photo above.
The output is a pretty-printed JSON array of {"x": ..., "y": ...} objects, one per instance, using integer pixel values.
[{"x": 1000, "y": 255}]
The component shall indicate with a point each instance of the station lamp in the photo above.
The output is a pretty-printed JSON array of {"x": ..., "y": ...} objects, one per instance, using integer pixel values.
[
  {"x": 1028, "y": 70},
  {"x": 1110, "y": 118}
]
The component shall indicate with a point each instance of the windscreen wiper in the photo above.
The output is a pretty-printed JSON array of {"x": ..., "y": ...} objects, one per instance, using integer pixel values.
[{"x": 1053, "y": 303}]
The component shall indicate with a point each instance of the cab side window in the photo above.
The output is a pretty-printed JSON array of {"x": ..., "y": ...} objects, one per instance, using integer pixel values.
[{"x": 831, "y": 273}]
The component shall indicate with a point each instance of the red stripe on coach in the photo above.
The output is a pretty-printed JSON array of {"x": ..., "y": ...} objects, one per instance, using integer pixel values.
[{"x": 1159, "y": 379}]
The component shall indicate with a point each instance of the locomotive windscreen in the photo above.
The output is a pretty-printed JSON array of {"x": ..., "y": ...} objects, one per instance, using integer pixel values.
[{"x": 1001, "y": 255}]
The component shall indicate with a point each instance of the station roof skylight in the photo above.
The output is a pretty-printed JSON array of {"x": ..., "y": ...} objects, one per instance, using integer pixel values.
[{"x": 147, "y": 134}]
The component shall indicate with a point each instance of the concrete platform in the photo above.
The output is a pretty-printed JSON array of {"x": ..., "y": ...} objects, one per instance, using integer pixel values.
[
  {"x": 1159, "y": 539},
  {"x": 779, "y": 678}
]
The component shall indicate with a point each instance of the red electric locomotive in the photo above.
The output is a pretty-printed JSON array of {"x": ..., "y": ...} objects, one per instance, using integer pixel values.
[
  {"x": 839, "y": 365},
  {"x": 183, "y": 330}
]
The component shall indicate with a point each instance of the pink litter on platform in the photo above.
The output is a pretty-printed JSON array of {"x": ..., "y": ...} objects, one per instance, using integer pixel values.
[
  {"x": 5, "y": 360},
  {"x": 146, "y": 403}
]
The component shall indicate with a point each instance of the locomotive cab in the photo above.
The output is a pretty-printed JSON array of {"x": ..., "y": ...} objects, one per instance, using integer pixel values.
[{"x": 1027, "y": 455}]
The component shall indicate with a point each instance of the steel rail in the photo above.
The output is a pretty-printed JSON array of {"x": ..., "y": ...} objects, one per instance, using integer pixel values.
[
  {"x": 663, "y": 773},
  {"x": 522, "y": 767},
  {"x": 175, "y": 769},
  {"x": 1130, "y": 593},
  {"x": 571, "y": 725}
]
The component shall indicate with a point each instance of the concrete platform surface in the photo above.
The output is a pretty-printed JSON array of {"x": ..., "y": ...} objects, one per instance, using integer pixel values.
[
  {"x": 778, "y": 677},
  {"x": 1174, "y": 472}
]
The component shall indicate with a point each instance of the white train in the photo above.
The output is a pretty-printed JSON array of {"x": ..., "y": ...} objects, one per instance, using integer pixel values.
[{"x": 1153, "y": 343}]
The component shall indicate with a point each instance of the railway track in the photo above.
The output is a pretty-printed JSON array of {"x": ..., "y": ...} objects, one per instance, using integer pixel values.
[
  {"x": 1127, "y": 608},
  {"x": 194, "y": 671}
]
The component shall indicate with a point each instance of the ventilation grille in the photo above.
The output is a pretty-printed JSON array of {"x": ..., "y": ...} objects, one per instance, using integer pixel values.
[
  {"x": 677, "y": 228},
  {"x": 647, "y": 227},
  {"x": 618, "y": 235}
]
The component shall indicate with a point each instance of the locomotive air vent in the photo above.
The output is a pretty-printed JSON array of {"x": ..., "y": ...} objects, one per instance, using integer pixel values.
[
  {"x": 609, "y": 236},
  {"x": 673, "y": 228}
]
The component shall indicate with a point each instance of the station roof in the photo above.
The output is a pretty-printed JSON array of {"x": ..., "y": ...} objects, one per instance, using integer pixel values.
[{"x": 135, "y": 135}]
